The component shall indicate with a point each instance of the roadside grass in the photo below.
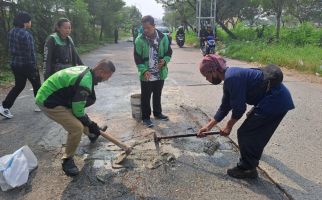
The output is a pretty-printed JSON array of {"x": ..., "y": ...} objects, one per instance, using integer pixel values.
[
  {"x": 6, "y": 76},
  {"x": 85, "y": 48},
  {"x": 307, "y": 58}
]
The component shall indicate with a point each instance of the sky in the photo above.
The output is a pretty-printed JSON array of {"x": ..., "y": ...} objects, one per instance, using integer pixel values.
[{"x": 147, "y": 7}]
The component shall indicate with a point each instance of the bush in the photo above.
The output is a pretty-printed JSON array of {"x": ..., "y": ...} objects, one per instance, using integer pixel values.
[
  {"x": 302, "y": 35},
  {"x": 306, "y": 58}
]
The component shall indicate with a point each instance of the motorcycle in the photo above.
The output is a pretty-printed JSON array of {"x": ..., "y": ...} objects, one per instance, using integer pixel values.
[
  {"x": 209, "y": 46},
  {"x": 180, "y": 40}
]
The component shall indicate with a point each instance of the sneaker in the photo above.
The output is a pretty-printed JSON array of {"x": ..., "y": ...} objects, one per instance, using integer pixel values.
[
  {"x": 37, "y": 109},
  {"x": 5, "y": 112},
  {"x": 239, "y": 173},
  {"x": 162, "y": 117},
  {"x": 148, "y": 123},
  {"x": 69, "y": 167}
]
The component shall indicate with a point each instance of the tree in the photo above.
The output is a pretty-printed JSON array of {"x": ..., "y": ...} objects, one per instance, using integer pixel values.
[
  {"x": 132, "y": 13},
  {"x": 276, "y": 7},
  {"x": 226, "y": 10},
  {"x": 306, "y": 10},
  {"x": 105, "y": 12}
]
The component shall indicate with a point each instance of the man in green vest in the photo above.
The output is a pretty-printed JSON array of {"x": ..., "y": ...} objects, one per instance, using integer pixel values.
[
  {"x": 63, "y": 98},
  {"x": 152, "y": 53}
]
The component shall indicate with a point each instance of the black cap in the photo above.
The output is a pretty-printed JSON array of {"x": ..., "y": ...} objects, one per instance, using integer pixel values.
[{"x": 21, "y": 18}]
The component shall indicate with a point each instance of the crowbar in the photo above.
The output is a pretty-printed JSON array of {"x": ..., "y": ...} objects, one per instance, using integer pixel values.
[{"x": 157, "y": 138}]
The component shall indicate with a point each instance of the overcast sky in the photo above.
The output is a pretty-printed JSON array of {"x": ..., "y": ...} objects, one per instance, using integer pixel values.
[{"x": 147, "y": 7}]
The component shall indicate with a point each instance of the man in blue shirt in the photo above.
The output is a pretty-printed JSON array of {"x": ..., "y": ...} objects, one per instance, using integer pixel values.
[
  {"x": 261, "y": 88},
  {"x": 23, "y": 61}
]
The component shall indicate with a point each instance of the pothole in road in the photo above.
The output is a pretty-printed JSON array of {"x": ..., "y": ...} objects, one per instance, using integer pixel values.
[{"x": 144, "y": 155}]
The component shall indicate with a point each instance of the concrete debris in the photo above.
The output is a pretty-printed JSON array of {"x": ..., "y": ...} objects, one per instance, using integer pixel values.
[{"x": 211, "y": 147}]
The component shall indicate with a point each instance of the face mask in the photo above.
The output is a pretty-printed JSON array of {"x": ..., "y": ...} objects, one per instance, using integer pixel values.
[{"x": 216, "y": 81}]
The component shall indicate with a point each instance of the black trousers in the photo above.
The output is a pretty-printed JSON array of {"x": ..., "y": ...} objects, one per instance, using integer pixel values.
[
  {"x": 21, "y": 74},
  {"x": 253, "y": 135},
  {"x": 147, "y": 88}
]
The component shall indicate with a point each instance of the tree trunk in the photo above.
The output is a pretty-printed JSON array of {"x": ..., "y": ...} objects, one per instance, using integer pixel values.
[
  {"x": 231, "y": 34},
  {"x": 278, "y": 24},
  {"x": 101, "y": 33}
]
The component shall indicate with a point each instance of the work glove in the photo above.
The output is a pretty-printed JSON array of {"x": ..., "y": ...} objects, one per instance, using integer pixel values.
[{"x": 94, "y": 132}]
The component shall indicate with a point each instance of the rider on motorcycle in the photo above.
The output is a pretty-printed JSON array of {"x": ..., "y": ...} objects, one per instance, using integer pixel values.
[
  {"x": 204, "y": 33},
  {"x": 180, "y": 31}
]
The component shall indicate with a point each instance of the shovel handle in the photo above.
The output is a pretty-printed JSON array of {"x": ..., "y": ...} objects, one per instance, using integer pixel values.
[
  {"x": 114, "y": 140},
  {"x": 188, "y": 135}
]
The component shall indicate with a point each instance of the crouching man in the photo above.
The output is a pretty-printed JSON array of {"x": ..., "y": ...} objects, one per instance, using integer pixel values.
[
  {"x": 63, "y": 98},
  {"x": 262, "y": 88}
]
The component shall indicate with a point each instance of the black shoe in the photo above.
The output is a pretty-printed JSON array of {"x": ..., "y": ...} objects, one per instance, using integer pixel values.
[
  {"x": 69, "y": 167},
  {"x": 148, "y": 123},
  {"x": 239, "y": 173},
  {"x": 161, "y": 117}
]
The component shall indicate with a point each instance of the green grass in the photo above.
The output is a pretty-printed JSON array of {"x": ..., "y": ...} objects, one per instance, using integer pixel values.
[
  {"x": 191, "y": 38},
  {"x": 6, "y": 76},
  {"x": 300, "y": 51},
  {"x": 85, "y": 48},
  {"x": 306, "y": 58}
]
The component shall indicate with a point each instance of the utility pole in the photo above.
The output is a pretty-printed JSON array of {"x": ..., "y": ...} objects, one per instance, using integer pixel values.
[{"x": 199, "y": 14}]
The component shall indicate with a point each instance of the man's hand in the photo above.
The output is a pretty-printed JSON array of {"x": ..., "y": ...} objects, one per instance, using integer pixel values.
[
  {"x": 225, "y": 131},
  {"x": 202, "y": 131},
  {"x": 206, "y": 128},
  {"x": 147, "y": 75},
  {"x": 94, "y": 128},
  {"x": 161, "y": 63}
]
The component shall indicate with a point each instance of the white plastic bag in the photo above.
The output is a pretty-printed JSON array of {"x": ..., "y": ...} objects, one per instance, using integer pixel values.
[{"x": 15, "y": 168}]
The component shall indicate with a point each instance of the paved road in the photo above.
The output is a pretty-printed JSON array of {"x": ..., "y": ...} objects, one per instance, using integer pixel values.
[
  {"x": 187, "y": 96},
  {"x": 293, "y": 157}
]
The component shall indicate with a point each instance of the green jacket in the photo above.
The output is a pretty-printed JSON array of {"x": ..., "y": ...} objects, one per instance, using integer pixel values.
[
  {"x": 61, "y": 89},
  {"x": 141, "y": 54}
]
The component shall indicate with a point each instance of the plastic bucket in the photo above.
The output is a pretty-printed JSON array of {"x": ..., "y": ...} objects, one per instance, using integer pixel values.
[{"x": 136, "y": 106}]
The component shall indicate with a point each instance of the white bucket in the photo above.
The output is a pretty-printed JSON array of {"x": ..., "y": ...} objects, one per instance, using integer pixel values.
[{"x": 136, "y": 106}]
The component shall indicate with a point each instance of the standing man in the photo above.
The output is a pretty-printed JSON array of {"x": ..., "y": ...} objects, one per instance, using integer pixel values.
[
  {"x": 116, "y": 35},
  {"x": 23, "y": 61},
  {"x": 262, "y": 88},
  {"x": 152, "y": 53},
  {"x": 63, "y": 98}
]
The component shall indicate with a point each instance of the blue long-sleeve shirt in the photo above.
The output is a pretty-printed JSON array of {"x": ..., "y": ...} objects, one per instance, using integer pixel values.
[
  {"x": 244, "y": 86},
  {"x": 21, "y": 47}
]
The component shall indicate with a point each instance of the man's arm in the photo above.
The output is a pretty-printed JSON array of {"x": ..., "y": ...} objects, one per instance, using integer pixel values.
[
  {"x": 168, "y": 50},
  {"x": 138, "y": 58},
  {"x": 237, "y": 90},
  {"x": 31, "y": 48},
  {"x": 79, "y": 103},
  {"x": 220, "y": 114}
]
